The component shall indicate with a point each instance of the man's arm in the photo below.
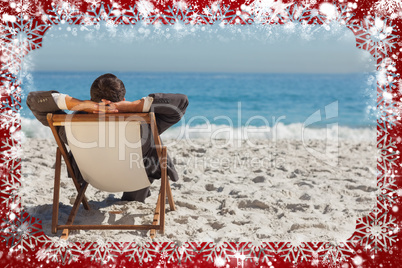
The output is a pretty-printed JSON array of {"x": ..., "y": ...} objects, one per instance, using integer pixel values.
[
  {"x": 136, "y": 106},
  {"x": 168, "y": 108},
  {"x": 43, "y": 102},
  {"x": 88, "y": 106}
]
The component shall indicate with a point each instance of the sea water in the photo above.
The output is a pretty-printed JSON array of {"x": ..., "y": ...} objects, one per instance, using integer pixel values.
[{"x": 237, "y": 101}]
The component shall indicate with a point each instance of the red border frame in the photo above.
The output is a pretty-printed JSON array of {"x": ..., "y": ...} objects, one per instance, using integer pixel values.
[{"x": 268, "y": 253}]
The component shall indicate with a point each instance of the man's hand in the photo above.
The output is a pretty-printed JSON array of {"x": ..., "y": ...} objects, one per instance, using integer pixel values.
[{"x": 105, "y": 106}]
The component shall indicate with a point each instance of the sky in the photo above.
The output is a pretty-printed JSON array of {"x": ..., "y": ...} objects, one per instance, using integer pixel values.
[{"x": 181, "y": 48}]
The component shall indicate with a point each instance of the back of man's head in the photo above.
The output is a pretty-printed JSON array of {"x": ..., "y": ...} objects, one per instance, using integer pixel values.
[{"x": 109, "y": 87}]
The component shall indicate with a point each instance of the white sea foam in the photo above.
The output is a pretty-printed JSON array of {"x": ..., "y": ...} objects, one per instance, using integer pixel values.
[
  {"x": 293, "y": 131},
  {"x": 32, "y": 128}
]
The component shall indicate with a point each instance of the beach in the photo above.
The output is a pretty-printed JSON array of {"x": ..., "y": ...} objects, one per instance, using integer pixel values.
[{"x": 248, "y": 190}]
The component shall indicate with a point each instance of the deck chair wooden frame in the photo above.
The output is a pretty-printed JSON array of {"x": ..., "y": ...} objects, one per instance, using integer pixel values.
[{"x": 158, "y": 224}]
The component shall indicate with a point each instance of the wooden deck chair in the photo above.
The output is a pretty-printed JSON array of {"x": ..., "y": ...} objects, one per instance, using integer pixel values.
[{"x": 102, "y": 145}]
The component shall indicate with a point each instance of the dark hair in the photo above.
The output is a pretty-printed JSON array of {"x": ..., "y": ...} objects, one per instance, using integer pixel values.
[{"x": 109, "y": 87}]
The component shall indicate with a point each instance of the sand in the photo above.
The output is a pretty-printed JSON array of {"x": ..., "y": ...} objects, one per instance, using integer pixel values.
[{"x": 265, "y": 191}]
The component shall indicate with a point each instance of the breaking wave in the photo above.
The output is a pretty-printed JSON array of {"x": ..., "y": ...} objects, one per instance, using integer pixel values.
[{"x": 31, "y": 128}]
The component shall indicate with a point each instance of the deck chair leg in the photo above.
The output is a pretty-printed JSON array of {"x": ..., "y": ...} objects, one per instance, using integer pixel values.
[
  {"x": 74, "y": 210},
  {"x": 56, "y": 191},
  {"x": 163, "y": 189},
  {"x": 160, "y": 205},
  {"x": 156, "y": 217},
  {"x": 170, "y": 196},
  {"x": 64, "y": 153},
  {"x": 84, "y": 199}
]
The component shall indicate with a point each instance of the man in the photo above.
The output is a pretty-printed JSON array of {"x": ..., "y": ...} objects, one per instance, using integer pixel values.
[{"x": 107, "y": 95}]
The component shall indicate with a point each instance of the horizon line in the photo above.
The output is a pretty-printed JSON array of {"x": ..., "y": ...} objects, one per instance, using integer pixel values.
[{"x": 199, "y": 72}]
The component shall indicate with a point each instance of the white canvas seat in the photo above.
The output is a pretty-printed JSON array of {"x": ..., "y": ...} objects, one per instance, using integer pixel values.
[
  {"x": 108, "y": 152},
  {"x": 98, "y": 146}
]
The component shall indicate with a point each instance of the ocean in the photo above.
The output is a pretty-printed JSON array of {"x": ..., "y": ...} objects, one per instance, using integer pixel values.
[{"x": 225, "y": 103}]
